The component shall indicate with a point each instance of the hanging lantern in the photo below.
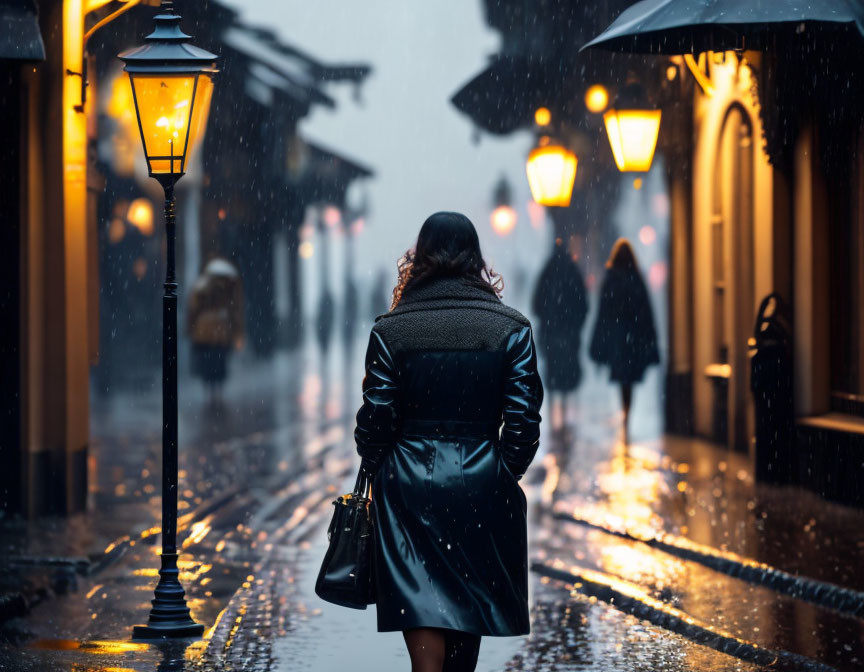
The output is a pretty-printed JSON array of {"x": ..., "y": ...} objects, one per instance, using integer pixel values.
[
  {"x": 551, "y": 171},
  {"x": 503, "y": 217},
  {"x": 633, "y": 127}
]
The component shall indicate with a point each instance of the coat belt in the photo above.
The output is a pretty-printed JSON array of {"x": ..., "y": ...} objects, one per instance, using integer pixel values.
[{"x": 455, "y": 428}]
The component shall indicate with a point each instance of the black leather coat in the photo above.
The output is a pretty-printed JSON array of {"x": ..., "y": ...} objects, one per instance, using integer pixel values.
[{"x": 450, "y": 421}]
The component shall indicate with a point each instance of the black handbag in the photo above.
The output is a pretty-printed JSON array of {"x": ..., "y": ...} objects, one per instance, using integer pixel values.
[{"x": 346, "y": 576}]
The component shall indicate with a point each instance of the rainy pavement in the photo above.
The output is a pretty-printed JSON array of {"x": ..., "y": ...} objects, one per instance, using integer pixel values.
[{"x": 660, "y": 555}]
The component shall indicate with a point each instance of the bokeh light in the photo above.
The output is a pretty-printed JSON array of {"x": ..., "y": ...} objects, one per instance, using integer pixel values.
[
  {"x": 596, "y": 98},
  {"x": 503, "y": 220},
  {"x": 306, "y": 249},
  {"x": 647, "y": 235},
  {"x": 542, "y": 116}
]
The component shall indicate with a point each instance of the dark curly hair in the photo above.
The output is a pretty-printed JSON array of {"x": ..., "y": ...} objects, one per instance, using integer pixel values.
[{"x": 447, "y": 247}]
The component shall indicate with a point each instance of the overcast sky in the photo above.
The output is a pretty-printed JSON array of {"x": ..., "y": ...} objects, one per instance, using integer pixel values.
[{"x": 405, "y": 128}]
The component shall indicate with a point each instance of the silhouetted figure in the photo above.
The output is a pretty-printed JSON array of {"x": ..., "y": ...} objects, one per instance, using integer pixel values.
[
  {"x": 561, "y": 304},
  {"x": 325, "y": 319},
  {"x": 379, "y": 297},
  {"x": 624, "y": 336},
  {"x": 214, "y": 322}
]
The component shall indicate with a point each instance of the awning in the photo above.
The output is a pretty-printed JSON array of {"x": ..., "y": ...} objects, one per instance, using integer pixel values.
[
  {"x": 20, "y": 38},
  {"x": 693, "y": 26}
]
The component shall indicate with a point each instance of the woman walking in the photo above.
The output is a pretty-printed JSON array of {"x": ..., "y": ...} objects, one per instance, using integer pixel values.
[
  {"x": 450, "y": 421},
  {"x": 624, "y": 336}
]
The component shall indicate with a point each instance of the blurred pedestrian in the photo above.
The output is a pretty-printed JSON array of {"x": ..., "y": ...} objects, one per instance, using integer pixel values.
[
  {"x": 624, "y": 337},
  {"x": 214, "y": 322},
  {"x": 444, "y": 369},
  {"x": 378, "y": 299},
  {"x": 561, "y": 305}
]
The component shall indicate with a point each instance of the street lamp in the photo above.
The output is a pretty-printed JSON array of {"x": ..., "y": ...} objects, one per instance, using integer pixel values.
[
  {"x": 551, "y": 170},
  {"x": 503, "y": 216},
  {"x": 172, "y": 83},
  {"x": 632, "y": 126}
]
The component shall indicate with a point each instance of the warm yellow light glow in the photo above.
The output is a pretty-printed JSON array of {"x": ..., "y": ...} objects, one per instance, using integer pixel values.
[
  {"x": 172, "y": 112},
  {"x": 542, "y": 116},
  {"x": 596, "y": 98},
  {"x": 140, "y": 215},
  {"x": 633, "y": 137},
  {"x": 551, "y": 170},
  {"x": 306, "y": 249},
  {"x": 503, "y": 220}
]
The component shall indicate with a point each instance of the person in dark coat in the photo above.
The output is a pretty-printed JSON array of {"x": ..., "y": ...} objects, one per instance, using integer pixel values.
[
  {"x": 450, "y": 422},
  {"x": 624, "y": 337},
  {"x": 561, "y": 305}
]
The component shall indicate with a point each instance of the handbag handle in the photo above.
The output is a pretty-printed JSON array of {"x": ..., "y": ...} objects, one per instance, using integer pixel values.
[{"x": 363, "y": 485}]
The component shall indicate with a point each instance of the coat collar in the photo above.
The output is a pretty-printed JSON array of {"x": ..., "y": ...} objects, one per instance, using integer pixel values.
[
  {"x": 447, "y": 288},
  {"x": 445, "y": 293}
]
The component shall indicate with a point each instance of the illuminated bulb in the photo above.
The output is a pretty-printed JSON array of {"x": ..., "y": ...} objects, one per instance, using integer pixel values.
[{"x": 306, "y": 249}]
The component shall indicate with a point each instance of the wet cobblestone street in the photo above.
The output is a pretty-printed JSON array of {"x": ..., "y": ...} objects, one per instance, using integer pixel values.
[{"x": 652, "y": 536}]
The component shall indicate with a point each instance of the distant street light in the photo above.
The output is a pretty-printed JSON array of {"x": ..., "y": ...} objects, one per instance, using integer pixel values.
[
  {"x": 596, "y": 98},
  {"x": 172, "y": 82},
  {"x": 633, "y": 127},
  {"x": 503, "y": 216},
  {"x": 140, "y": 215},
  {"x": 551, "y": 170}
]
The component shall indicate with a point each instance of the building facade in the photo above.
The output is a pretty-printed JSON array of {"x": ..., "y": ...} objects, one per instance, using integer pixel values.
[
  {"x": 763, "y": 161},
  {"x": 81, "y": 245}
]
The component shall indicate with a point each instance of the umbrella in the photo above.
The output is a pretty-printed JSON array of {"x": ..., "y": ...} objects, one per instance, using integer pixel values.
[{"x": 692, "y": 26}]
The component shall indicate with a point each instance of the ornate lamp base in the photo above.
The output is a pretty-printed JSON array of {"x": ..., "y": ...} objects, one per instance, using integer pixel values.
[{"x": 169, "y": 617}]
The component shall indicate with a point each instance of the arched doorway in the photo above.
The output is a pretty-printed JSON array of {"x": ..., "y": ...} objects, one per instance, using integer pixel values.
[{"x": 732, "y": 280}]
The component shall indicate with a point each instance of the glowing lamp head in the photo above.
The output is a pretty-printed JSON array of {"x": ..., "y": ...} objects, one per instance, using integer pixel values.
[
  {"x": 551, "y": 171},
  {"x": 172, "y": 85},
  {"x": 633, "y": 128},
  {"x": 596, "y": 98}
]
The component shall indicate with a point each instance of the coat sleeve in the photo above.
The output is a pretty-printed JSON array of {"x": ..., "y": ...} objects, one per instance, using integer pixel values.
[
  {"x": 523, "y": 396},
  {"x": 378, "y": 417}
]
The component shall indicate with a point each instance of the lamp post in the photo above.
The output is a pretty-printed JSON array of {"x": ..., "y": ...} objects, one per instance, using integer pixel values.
[{"x": 172, "y": 82}]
